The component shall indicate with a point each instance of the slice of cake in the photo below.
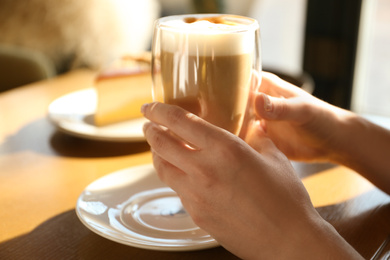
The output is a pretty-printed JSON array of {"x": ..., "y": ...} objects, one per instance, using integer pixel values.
[{"x": 121, "y": 91}]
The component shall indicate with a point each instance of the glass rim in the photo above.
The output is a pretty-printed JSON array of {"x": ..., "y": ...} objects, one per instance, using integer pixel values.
[{"x": 244, "y": 23}]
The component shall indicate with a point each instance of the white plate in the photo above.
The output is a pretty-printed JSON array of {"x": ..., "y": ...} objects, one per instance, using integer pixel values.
[
  {"x": 133, "y": 207},
  {"x": 73, "y": 113}
]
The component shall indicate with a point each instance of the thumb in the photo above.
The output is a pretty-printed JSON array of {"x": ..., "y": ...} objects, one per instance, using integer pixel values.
[
  {"x": 272, "y": 108},
  {"x": 258, "y": 139}
]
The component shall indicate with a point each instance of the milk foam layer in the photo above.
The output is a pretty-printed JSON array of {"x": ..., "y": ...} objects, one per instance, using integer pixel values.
[{"x": 206, "y": 38}]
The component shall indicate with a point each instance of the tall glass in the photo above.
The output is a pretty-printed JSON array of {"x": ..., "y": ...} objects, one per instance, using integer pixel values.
[{"x": 206, "y": 64}]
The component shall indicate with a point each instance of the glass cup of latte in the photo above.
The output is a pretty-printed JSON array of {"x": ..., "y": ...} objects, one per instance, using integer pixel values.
[{"x": 207, "y": 64}]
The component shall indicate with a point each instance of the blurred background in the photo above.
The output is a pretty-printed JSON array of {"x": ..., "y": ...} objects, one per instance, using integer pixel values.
[{"x": 342, "y": 44}]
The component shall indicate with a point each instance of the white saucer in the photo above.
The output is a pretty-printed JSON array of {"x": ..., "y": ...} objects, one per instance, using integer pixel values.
[
  {"x": 133, "y": 207},
  {"x": 73, "y": 113}
]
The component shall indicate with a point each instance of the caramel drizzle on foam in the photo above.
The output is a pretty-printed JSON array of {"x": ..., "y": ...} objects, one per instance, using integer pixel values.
[{"x": 215, "y": 19}]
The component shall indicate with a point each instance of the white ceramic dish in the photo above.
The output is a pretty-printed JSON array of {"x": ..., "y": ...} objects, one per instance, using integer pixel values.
[
  {"x": 73, "y": 113},
  {"x": 133, "y": 207}
]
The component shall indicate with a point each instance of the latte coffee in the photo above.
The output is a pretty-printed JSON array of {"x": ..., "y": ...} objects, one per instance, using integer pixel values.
[{"x": 206, "y": 68}]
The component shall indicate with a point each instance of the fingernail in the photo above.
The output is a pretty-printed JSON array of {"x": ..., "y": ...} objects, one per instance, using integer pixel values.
[
  {"x": 267, "y": 103},
  {"x": 143, "y": 108}
]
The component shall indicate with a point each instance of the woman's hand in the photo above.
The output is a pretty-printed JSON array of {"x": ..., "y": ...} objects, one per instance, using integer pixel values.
[
  {"x": 308, "y": 129},
  {"x": 250, "y": 201},
  {"x": 301, "y": 126}
]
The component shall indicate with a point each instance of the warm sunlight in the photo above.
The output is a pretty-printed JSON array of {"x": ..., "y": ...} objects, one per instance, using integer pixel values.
[{"x": 335, "y": 186}]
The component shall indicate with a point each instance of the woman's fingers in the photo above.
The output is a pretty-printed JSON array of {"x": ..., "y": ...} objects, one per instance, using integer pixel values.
[
  {"x": 258, "y": 139},
  {"x": 181, "y": 122},
  {"x": 270, "y": 108},
  {"x": 275, "y": 86},
  {"x": 168, "y": 173},
  {"x": 168, "y": 146}
]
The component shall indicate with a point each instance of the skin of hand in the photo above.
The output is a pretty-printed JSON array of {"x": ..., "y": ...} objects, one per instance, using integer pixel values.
[
  {"x": 250, "y": 201},
  {"x": 300, "y": 125},
  {"x": 305, "y": 128}
]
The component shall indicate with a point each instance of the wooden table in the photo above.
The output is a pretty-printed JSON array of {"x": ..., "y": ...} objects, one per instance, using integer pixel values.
[{"x": 43, "y": 171}]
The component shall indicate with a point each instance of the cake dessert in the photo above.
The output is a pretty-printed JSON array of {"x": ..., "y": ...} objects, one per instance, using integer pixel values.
[{"x": 121, "y": 90}]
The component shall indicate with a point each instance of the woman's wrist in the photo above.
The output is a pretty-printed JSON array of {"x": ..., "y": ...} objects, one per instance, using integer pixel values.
[
  {"x": 343, "y": 137},
  {"x": 363, "y": 146},
  {"x": 320, "y": 240}
]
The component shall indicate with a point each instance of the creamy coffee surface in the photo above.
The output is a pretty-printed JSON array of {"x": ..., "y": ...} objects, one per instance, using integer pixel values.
[{"x": 207, "y": 37}]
